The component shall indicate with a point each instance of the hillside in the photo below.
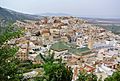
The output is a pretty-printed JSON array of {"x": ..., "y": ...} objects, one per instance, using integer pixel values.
[{"x": 9, "y": 15}]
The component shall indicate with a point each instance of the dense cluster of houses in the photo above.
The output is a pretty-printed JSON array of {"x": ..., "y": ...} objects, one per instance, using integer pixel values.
[{"x": 82, "y": 46}]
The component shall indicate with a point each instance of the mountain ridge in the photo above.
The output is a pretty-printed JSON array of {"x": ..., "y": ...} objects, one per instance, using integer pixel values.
[
  {"x": 10, "y": 15},
  {"x": 54, "y": 14}
]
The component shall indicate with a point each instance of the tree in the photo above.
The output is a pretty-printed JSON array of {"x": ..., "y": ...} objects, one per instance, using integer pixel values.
[
  {"x": 114, "y": 77},
  {"x": 83, "y": 76},
  {"x": 55, "y": 70},
  {"x": 47, "y": 58},
  {"x": 8, "y": 63}
]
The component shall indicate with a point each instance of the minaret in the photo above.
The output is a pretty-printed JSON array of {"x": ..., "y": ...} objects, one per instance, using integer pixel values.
[
  {"x": 27, "y": 47},
  {"x": 91, "y": 38},
  {"x": 27, "y": 51},
  {"x": 90, "y": 43}
]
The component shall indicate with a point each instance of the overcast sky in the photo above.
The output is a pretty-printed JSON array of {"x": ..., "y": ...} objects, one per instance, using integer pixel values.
[{"x": 82, "y": 8}]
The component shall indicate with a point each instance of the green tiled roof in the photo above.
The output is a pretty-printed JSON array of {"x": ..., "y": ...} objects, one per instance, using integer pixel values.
[
  {"x": 79, "y": 51},
  {"x": 59, "y": 46}
]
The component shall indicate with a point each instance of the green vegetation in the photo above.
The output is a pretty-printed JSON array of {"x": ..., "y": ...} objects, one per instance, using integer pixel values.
[
  {"x": 9, "y": 15},
  {"x": 113, "y": 27},
  {"x": 83, "y": 76},
  {"x": 57, "y": 72},
  {"x": 54, "y": 69},
  {"x": 8, "y": 63},
  {"x": 9, "y": 33},
  {"x": 4, "y": 27},
  {"x": 47, "y": 58},
  {"x": 114, "y": 77}
]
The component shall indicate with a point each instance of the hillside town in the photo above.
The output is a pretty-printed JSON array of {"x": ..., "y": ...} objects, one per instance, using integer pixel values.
[{"x": 81, "y": 45}]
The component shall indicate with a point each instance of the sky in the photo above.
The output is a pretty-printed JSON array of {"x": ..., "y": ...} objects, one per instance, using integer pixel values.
[{"x": 82, "y": 8}]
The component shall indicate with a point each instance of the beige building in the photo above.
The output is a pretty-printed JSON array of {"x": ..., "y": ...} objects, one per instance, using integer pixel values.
[
  {"x": 64, "y": 38},
  {"x": 54, "y": 31},
  {"x": 79, "y": 41},
  {"x": 22, "y": 54},
  {"x": 45, "y": 33}
]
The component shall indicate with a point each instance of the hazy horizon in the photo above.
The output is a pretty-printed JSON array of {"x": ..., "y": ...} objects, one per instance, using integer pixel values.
[{"x": 81, "y": 8}]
